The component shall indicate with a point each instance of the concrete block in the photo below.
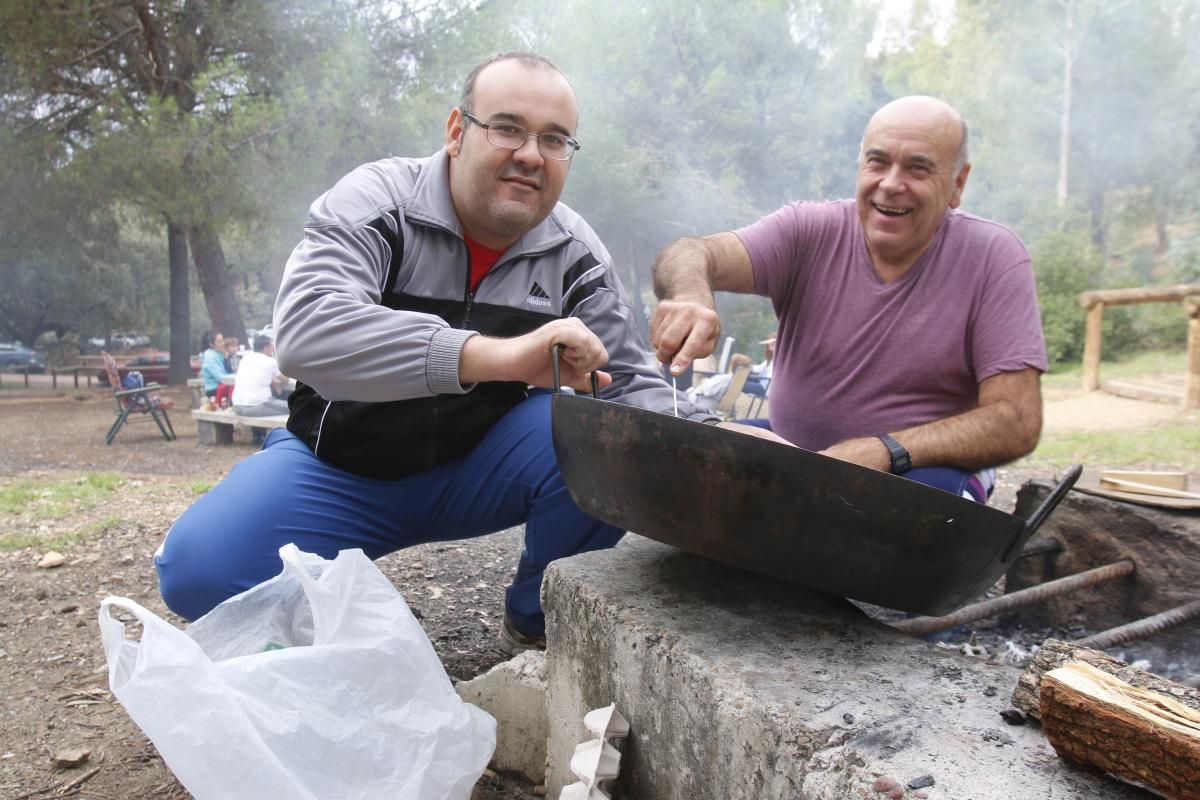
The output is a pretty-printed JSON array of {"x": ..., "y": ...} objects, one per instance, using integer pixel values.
[
  {"x": 514, "y": 692},
  {"x": 740, "y": 687}
]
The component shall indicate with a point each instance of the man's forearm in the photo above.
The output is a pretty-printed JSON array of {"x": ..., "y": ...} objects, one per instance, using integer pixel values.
[
  {"x": 683, "y": 271},
  {"x": 982, "y": 437},
  {"x": 1005, "y": 426}
]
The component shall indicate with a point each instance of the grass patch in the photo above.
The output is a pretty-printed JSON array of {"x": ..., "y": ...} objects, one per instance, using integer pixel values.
[
  {"x": 56, "y": 499},
  {"x": 1168, "y": 446},
  {"x": 200, "y": 487},
  {"x": 1154, "y": 361},
  {"x": 47, "y": 501},
  {"x": 17, "y": 541}
]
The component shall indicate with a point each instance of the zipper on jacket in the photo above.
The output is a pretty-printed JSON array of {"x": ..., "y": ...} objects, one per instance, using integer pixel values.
[{"x": 468, "y": 294}]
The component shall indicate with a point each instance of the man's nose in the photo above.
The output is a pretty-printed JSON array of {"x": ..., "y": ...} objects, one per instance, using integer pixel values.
[
  {"x": 892, "y": 180},
  {"x": 528, "y": 153}
]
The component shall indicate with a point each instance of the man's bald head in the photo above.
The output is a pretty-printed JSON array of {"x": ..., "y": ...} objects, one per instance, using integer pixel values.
[
  {"x": 933, "y": 111},
  {"x": 912, "y": 169}
]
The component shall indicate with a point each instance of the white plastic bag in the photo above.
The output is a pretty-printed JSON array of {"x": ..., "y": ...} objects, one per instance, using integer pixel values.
[{"x": 318, "y": 683}]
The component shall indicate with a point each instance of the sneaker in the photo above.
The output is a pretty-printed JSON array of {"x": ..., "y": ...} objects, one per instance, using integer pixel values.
[{"x": 512, "y": 641}]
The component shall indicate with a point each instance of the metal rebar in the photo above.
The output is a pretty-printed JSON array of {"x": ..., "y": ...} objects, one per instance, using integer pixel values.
[
  {"x": 919, "y": 626},
  {"x": 1038, "y": 547},
  {"x": 1142, "y": 628}
]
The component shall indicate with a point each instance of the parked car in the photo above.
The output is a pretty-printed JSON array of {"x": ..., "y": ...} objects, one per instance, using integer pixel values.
[
  {"x": 16, "y": 357},
  {"x": 130, "y": 339},
  {"x": 155, "y": 367}
]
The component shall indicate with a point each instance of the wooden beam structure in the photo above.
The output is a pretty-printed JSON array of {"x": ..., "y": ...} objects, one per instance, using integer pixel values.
[{"x": 1095, "y": 301}]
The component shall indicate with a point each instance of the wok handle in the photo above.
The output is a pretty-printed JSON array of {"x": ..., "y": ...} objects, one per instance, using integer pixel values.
[
  {"x": 1039, "y": 515},
  {"x": 555, "y": 355}
]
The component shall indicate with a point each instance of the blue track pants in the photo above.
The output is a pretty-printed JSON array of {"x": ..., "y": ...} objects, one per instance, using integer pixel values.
[{"x": 229, "y": 539}]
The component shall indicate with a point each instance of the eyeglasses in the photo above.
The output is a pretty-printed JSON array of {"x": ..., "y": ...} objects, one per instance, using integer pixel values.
[{"x": 554, "y": 146}]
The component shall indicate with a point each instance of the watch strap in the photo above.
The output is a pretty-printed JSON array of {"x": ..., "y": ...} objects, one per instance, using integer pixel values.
[{"x": 901, "y": 460}]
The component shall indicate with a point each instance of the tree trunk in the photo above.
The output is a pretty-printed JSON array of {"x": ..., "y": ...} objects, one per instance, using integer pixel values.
[
  {"x": 1095, "y": 201},
  {"x": 223, "y": 310},
  {"x": 180, "y": 313},
  {"x": 1162, "y": 207},
  {"x": 1064, "y": 130}
]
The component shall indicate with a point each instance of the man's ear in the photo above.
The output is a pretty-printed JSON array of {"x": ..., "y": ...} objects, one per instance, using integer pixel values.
[
  {"x": 455, "y": 127},
  {"x": 960, "y": 182}
]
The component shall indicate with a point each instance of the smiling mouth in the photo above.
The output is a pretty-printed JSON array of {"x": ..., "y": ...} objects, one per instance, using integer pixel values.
[
  {"x": 525, "y": 182},
  {"x": 889, "y": 211}
]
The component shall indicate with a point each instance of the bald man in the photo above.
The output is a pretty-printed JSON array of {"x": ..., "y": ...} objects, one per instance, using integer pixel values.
[{"x": 909, "y": 339}]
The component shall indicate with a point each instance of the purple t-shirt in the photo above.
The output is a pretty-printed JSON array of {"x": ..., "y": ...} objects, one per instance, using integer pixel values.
[{"x": 858, "y": 357}]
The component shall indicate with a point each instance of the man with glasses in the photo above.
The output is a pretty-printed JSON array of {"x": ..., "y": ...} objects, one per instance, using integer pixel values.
[
  {"x": 416, "y": 314},
  {"x": 909, "y": 333}
]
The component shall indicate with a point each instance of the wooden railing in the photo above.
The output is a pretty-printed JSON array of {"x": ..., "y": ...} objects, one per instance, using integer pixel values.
[{"x": 1095, "y": 301}]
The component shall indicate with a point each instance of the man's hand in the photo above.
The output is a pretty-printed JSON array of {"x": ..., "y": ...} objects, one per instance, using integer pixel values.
[
  {"x": 686, "y": 273},
  {"x": 528, "y": 358},
  {"x": 682, "y": 331},
  {"x": 867, "y": 451}
]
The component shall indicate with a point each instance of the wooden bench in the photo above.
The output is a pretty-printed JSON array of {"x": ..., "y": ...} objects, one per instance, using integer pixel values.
[
  {"x": 216, "y": 427},
  {"x": 196, "y": 389}
]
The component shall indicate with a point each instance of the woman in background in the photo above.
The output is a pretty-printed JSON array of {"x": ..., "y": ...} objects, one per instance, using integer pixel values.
[{"x": 212, "y": 362}]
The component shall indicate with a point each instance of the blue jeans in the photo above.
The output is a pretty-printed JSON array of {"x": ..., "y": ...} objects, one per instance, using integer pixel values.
[
  {"x": 229, "y": 539},
  {"x": 949, "y": 479}
]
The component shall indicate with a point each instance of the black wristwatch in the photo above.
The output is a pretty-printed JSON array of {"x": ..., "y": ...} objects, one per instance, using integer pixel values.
[{"x": 901, "y": 460}]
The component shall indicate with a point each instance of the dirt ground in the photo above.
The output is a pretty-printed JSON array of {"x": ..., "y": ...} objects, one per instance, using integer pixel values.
[{"x": 52, "y": 666}]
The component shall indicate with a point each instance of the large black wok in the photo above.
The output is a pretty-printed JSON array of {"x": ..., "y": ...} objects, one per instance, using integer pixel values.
[{"x": 782, "y": 511}]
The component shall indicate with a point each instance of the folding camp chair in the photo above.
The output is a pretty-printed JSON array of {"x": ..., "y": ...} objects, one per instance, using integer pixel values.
[
  {"x": 758, "y": 394},
  {"x": 137, "y": 400},
  {"x": 726, "y": 407}
]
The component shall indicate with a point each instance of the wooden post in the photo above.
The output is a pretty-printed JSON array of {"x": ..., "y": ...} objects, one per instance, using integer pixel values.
[
  {"x": 1191, "y": 386},
  {"x": 1091, "y": 348}
]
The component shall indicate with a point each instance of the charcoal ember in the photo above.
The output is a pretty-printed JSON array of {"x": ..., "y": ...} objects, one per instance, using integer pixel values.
[{"x": 921, "y": 782}]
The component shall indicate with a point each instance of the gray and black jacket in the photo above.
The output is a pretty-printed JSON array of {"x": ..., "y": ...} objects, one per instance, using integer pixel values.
[{"x": 374, "y": 309}]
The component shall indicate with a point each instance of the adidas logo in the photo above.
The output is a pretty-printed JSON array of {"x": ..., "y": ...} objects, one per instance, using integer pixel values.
[{"x": 537, "y": 296}]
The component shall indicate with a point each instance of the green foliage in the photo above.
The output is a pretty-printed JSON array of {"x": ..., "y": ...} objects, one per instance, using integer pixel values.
[
  {"x": 1064, "y": 264},
  {"x": 696, "y": 116}
]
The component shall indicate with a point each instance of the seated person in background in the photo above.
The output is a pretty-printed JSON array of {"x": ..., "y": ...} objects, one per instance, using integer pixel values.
[
  {"x": 212, "y": 362},
  {"x": 259, "y": 384},
  {"x": 710, "y": 390},
  {"x": 423, "y": 303},
  {"x": 760, "y": 373},
  {"x": 909, "y": 332},
  {"x": 233, "y": 356}
]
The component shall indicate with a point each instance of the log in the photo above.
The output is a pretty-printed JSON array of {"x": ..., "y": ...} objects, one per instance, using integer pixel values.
[
  {"x": 1138, "y": 735},
  {"x": 1147, "y": 294},
  {"x": 1054, "y": 654}
]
